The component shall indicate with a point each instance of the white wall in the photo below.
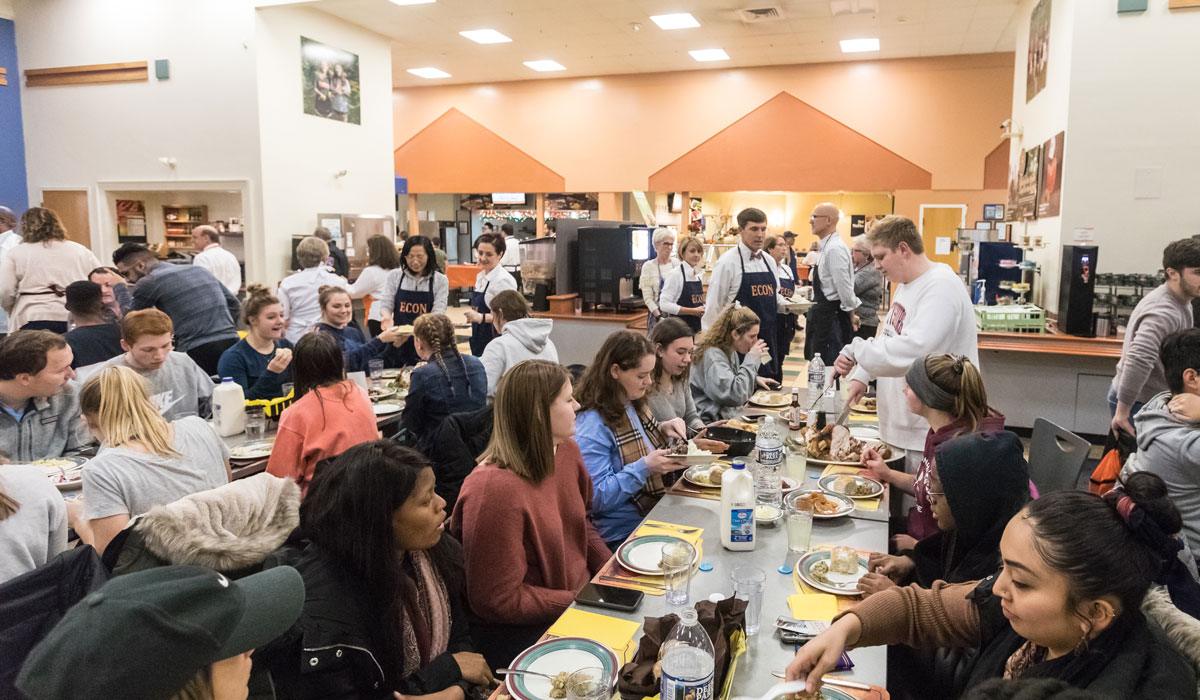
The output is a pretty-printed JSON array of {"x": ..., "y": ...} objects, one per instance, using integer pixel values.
[
  {"x": 6, "y": 9},
  {"x": 204, "y": 116},
  {"x": 300, "y": 152}
]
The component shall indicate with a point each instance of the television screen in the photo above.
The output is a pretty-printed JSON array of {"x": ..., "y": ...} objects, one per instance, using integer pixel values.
[
  {"x": 641, "y": 243},
  {"x": 508, "y": 198}
]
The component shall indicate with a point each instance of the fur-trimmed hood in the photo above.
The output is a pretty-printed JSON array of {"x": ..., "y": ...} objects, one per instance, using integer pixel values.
[
  {"x": 1182, "y": 629},
  {"x": 227, "y": 528}
]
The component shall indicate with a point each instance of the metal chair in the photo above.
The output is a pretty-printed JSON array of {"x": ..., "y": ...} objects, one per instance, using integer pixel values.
[{"x": 1056, "y": 457}]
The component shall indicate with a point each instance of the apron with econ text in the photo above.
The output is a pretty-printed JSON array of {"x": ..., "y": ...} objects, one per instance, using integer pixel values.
[
  {"x": 481, "y": 333},
  {"x": 757, "y": 293},
  {"x": 407, "y": 305},
  {"x": 690, "y": 297},
  {"x": 786, "y": 331}
]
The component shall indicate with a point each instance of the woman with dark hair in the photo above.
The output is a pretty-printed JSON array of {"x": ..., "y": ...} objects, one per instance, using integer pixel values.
[
  {"x": 384, "y": 612},
  {"x": 1066, "y": 605},
  {"x": 669, "y": 395},
  {"x": 448, "y": 382},
  {"x": 492, "y": 280},
  {"x": 331, "y": 413},
  {"x": 624, "y": 448},
  {"x": 337, "y": 315},
  {"x": 416, "y": 288},
  {"x": 382, "y": 258},
  {"x": 34, "y": 275},
  {"x": 261, "y": 362},
  {"x": 96, "y": 336}
]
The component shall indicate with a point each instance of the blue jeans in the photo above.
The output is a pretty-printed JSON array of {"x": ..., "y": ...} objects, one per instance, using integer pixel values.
[{"x": 1112, "y": 405}]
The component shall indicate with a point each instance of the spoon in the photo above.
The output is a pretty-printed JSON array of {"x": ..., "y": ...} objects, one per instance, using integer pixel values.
[
  {"x": 521, "y": 672},
  {"x": 777, "y": 690}
]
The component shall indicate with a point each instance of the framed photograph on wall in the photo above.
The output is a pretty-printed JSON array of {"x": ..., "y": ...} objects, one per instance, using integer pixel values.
[
  {"x": 993, "y": 212},
  {"x": 1039, "y": 49},
  {"x": 1050, "y": 198},
  {"x": 330, "y": 79}
]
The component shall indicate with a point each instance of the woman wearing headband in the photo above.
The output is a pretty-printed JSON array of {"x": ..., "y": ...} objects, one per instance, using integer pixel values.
[
  {"x": 948, "y": 392},
  {"x": 1066, "y": 605}
]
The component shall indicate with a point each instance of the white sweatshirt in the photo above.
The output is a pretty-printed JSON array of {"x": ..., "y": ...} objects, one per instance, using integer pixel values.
[{"x": 932, "y": 314}]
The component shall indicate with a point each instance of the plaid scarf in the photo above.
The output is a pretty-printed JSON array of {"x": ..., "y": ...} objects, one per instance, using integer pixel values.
[{"x": 633, "y": 448}]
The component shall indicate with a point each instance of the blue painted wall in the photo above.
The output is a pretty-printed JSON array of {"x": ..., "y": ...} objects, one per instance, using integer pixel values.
[{"x": 13, "y": 190}]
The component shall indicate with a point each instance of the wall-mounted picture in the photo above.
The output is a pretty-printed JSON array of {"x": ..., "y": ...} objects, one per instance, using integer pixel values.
[
  {"x": 1050, "y": 198},
  {"x": 1039, "y": 49},
  {"x": 330, "y": 77},
  {"x": 1025, "y": 206},
  {"x": 993, "y": 212}
]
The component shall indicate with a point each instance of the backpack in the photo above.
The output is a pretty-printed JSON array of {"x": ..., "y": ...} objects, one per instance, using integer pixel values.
[{"x": 1117, "y": 449}]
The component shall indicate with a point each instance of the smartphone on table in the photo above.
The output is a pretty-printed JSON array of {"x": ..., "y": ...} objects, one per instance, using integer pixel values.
[{"x": 611, "y": 597}]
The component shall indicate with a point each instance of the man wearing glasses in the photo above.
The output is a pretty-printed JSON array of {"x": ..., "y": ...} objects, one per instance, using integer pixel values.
[{"x": 831, "y": 320}]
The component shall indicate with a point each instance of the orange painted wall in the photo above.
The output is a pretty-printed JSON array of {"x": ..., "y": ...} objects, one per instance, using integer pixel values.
[
  {"x": 908, "y": 202},
  {"x": 611, "y": 133}
]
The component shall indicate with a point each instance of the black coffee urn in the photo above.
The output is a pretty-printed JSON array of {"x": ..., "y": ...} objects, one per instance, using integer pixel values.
[{"x": 1076, "y": 290}]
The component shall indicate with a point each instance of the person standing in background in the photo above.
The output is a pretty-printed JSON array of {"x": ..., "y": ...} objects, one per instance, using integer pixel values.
[
  {"x": 791, "y": 259},
  {"x": 868, "y": 287},
  {"x": 512, "y": 253},
  {"x": 490, "y": 281},
  {"x": 298, "y": 293},
  {"x": 785, "y": 328},
  {"x": 8, "y": 240},
  {"x": 212, "y": 257},
  {"x": 337, "y": 259},
  {"x": 655, "y": 272},
  {"x": 34, "y": 275},
  {"x": 1160, "y": 313},
  {"x": 831, "y": 320},
  {"x": 382, "y": 258}
]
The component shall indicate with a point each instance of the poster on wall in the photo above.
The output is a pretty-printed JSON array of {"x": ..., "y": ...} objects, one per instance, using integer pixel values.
[
  {"x": 330, "y": 79},
  {"x": 1024, "y": 204},
  {"x": 1039, "y": 49},
  {"x": 1050, "y": 199},
  {"x": 858, "y": 225}
]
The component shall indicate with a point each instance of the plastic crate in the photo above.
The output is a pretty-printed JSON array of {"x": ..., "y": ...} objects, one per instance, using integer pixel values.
[{"x": 1023, "y": 318}]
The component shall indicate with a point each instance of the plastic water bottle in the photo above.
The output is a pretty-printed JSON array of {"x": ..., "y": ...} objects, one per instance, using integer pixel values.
[
  {"x": 687, "y": 661},
  {"x": 228, "y": 408},
  {"x": 816, "y": 385},
  {"x": 767, "y": 486},
  {"x": 737, "y": 508}
]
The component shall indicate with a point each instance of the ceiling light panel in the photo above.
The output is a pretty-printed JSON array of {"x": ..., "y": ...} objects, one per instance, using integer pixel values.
[
  {"x": 678, "y": 20},
  {"x": 709, "y": 55},
  {"x": 486, "y": 36},
  {"x": 859, "y": 45},
  {"x": 413, "y": 2},
  {"x": 429, "y": 72},
  {"x": 545, "y": 65}
]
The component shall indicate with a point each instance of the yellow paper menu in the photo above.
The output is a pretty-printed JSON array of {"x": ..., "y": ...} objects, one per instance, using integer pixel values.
[{"x": 613, "y": 633}]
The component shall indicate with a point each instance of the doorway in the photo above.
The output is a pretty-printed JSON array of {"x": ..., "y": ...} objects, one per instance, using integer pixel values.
[
  {"x": 942, "y": 221},
  {"x": 72, "y": 209}
]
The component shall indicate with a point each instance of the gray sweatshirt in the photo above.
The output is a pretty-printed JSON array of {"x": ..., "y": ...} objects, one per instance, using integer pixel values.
[
  {"x": 1170, "y": 448},
  {"x": 49, "y": 427},
  {"x": 868, "y": 287},
  {"x": 1140, "y": 372},
  {"x": 177, "y": 389},
  {"x": 720, "y": 386},
  {"x": 675, "y": 403},
  {"x": 37, "y": 532}
]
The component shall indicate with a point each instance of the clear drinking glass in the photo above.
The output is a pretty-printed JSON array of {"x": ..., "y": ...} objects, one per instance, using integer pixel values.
[
  {"x": 376, "y": 367},
  {"x": 590, "y": 683},
  {"x": 799, "y": 524},
  {"x": 677, "y": 559},
  {"x": 256, "y": 424},
  {"x": 748, "y": 582}
]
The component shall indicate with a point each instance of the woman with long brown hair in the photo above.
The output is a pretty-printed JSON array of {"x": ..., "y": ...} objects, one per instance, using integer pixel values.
[
  {"x": 669, "y": 395},
  {"x": 382, "y": 258},
  {"x": 448, "y": 382},
  {"x": 261, "y": 362},
  {"x": 721, "y": 382},
  {"x": 624, "y": 448},
  {"x": 526, "y": 562},
  {"x": 337, "y": 320},
  {"x": 34, "y": 275}
]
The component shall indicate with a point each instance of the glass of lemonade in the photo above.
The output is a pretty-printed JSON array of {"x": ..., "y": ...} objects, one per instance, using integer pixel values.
[{"x": 799, "y": 524}]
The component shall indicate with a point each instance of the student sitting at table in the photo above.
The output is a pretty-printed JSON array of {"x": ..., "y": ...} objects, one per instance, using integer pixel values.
[
  {"x": 262, "y": 361},
  {"x": 337, "y": 313},
  {"x": 33, "y": 520},
  {"x": 96, "y": 336},
  {"x": 417, "y": 287},
  {"x": 527, "y": 560},
  {"x": 948, "y": 392},
  {"x": 448, "y": 382},
  {"x": 669, "y": 395},
  {"x": 726, "y": 375},
  {"x": 144, "y": 460},
  {"x": 40, "y": 419},
  {"x": 1066, "y": 604},
  {"x": 976, "y": 485},
  {"x": 384, "y": 610},
  {"x": 520, "y": 337},
  {"x": 623, "y": 447},
  {"x": 330, "y": 415}
]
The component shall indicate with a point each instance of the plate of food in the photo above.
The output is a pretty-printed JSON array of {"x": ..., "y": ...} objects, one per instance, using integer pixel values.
[
  {"x": 770, "y": 399},
  {"x": 788, "y": 484},
  {"x": 835, "y": 571},
  {"x": 836, "y": 444},
  {"x": 558, "y": 658},
  {"x": 66, "y": 473},
  {"x": 643, "y": 555},
  {"x": 866, "y": 405},
  {"x": 378, "y": 394},
  {"x": 252, "y": 450},
  {"x": 705, "y": 477},
  {"x": 850, "y": 485},
  {"x": 391, "y": 373},
  {"x": 387, "y": 409},
  {"x": 825, "y": 505},
  {"x": 404, "y": 330},
  {"x": 741, "y": 425},
  {"x": 688, "y": 452},
  {"x": 825, "y": 692}
]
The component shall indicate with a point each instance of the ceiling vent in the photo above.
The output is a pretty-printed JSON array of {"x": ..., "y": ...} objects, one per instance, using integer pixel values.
[
  {"x": 853, "y": 7},
  {"x": 761, "y": 14}
]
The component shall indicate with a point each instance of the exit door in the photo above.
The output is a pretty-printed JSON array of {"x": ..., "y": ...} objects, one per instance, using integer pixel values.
[
  {"x": 72, "y": 209},
  {"x": 939, "y": 227}
]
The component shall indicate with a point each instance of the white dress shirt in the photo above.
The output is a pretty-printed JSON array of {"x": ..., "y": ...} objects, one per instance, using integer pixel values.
[
  {"x": 668, "y": 301},
  {"x": 837, "y": 272},
  {"x": 494, "y": 282},
  {"x": 298, "y": 295},
  {"x": 652, "y": 273},
  {"x": 222, "y": 264},
  {"x": 370, "y": 281},
  {"x": 512, "y": 254},
  {"x": 8, "y": 240},
  {"x": 727, "y": 278}
]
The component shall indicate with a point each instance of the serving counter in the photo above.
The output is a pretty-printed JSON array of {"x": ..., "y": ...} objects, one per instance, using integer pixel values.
[{"x": 578, "y": 336}]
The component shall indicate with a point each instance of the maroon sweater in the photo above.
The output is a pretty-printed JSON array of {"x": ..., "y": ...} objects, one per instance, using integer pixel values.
[
  {"x": 529, "y": 547},
  {"x": 920, "y": 517}
]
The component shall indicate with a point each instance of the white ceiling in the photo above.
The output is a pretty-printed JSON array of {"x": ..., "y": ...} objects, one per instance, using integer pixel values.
[{"x": 598, "y": 37}]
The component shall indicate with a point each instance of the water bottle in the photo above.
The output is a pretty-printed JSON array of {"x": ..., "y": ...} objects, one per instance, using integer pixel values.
[
  {"x": 768, "y": 488},
  {"x": 687, "y": 661},
  {"x": 816, "y": 385},
  {"x": 737, "y": 508}
]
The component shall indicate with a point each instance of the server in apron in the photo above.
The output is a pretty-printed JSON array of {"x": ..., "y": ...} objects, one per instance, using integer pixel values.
[
  {"x": 682, "y": 294},
  {"x": 778, "y": 248},
  {"x": 830, "y": 324},
  {"x": 490, "y": 281},
  {"x": 757, "y": 292},
  {"x": 416, "y": 287}
]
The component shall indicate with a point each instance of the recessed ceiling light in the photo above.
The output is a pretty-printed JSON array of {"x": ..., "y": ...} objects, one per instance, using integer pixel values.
[
  {"x": 413, "y": 2},
  {"x": 429, "y": 72},
  {"x": 486, "y": 36},
  {"x": 710, "y": 55},
  {"x": 678, "y": 20},
  {"x": 545, "y": 65},
  {"x": 859, "y": 45}
]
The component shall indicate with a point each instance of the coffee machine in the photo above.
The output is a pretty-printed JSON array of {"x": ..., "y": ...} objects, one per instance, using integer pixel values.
[{"x": 1076, "y": 290}]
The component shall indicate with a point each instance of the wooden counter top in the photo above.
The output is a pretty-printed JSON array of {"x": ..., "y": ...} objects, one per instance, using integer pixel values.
[
  {"x": 1051, "y": 343},
  {"x": 625, "y": 317}
]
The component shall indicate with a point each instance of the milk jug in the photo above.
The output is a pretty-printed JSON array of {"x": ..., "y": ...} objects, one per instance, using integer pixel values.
[
  {"x": 229, "y": 408},
  {"x": 737, "y": 508}
]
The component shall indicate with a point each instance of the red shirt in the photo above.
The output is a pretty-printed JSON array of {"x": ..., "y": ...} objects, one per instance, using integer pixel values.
[
  {"x": 325, "y": 422},
  {"x": 921, "y": 523},
  {"x": 529, "y": 547}
]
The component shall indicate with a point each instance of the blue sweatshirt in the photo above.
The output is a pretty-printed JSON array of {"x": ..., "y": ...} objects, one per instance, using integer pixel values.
[{"x": 248, "y": 367}]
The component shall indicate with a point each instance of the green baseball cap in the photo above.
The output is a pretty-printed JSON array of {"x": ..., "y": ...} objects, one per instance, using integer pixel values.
[{"x": 144, "y": 635}]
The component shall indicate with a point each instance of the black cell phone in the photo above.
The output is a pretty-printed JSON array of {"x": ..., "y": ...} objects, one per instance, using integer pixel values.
[{"x": 611, "y": 597}]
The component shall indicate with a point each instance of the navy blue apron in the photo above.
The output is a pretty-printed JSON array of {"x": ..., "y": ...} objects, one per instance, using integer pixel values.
[
  {"x": 690, "y": 297},
  {"x": 829, "y": 328},
  {"x": 757, "y": 293},
  {"x": 481, "y": 333},
  {"x": 407, "y": 305},
  {"x": 786, "y": 331}
]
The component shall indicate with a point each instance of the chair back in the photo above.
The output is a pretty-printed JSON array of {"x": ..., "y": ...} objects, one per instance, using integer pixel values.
[{"x": 1056, "y": 457}]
